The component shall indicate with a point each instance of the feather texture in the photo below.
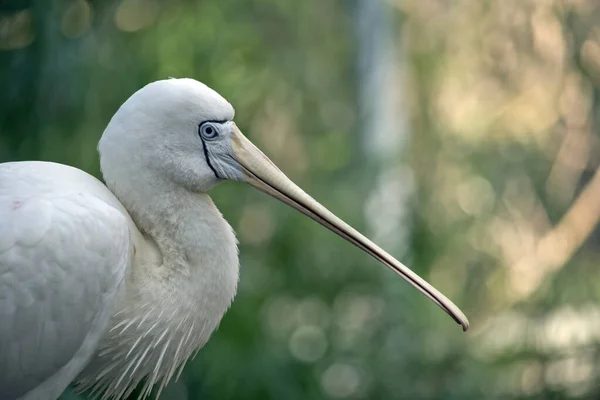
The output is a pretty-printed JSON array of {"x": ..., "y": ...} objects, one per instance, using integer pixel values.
[
  {"x": 113, "y": 285},
  {"x": 64, "y": 251}
]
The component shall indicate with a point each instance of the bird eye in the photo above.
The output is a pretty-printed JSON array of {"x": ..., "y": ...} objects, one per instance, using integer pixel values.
[{"x": 208, "y": 131}]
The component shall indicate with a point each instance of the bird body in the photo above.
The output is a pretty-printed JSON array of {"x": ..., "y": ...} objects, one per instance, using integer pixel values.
[
  {"x": 108, "y": 285},
  {"x": 156, "y": 305},
  {"x": 64, "y": 251}
]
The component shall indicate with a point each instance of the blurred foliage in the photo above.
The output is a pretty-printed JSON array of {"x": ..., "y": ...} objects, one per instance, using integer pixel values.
[{"x": 503, "y": 111}]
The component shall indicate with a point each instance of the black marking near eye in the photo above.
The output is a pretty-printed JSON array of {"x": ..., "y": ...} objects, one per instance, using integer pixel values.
[
  {"x": 206, "y": 155},
  {"x": 208, "y": 158}
]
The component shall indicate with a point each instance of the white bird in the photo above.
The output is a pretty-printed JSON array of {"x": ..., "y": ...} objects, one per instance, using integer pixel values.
[{"x": 110, "y": 285}]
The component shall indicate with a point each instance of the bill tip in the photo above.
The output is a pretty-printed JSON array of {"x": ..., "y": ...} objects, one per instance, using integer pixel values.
[{"x": 465, "y": 325}]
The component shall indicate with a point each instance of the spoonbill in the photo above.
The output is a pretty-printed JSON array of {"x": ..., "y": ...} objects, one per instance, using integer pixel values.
[{"x": 108, "y": 285}]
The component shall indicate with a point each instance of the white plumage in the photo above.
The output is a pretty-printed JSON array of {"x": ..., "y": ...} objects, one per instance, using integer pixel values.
[
  {"x": 110, "y": 285},
  {"x": 64, "y": 250}
]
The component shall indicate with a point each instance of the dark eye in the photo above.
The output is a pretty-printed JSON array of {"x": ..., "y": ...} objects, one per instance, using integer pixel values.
[{"x": 208, "y": 131}]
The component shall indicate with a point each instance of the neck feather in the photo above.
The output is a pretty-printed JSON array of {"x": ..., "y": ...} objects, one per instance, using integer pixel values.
[{"x": 182, "y": 281}]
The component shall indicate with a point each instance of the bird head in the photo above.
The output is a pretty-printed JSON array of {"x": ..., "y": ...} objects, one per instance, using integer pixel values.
[{"x": 183, "y": 131}]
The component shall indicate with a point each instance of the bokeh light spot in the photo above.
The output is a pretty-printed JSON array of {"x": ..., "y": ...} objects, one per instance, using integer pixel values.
[
  {"x": 308, "y": 343},
  {"x": 16, "y": 30},
  {"x": 475, "y": 195},
  {"x": 134, "y": 15},
  {"x": 256, "y": 224},
  {"x": 77, "y": 19},
  {"x": 341, "y": 380}
]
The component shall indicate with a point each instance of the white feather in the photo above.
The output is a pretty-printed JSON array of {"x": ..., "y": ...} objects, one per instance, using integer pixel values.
[{"x": 121, "y": 285}]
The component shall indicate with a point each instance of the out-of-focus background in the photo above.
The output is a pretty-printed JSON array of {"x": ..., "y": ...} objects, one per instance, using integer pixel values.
[{"x": 461, "y": 135}]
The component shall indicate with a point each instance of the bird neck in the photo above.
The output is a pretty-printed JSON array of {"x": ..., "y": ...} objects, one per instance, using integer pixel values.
[
  {"x": 183, "y": 278},
  {"x": 189, "y": 252},
  {"x": 183, "y": 229},
  {"x": 187, "y": 229}
]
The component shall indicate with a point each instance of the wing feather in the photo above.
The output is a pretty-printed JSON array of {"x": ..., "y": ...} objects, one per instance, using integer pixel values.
[{"x": 64, "y": 251}]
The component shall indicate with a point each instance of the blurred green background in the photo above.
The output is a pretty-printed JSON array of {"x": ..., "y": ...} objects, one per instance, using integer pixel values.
[{"x": 461, "y": 135}]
